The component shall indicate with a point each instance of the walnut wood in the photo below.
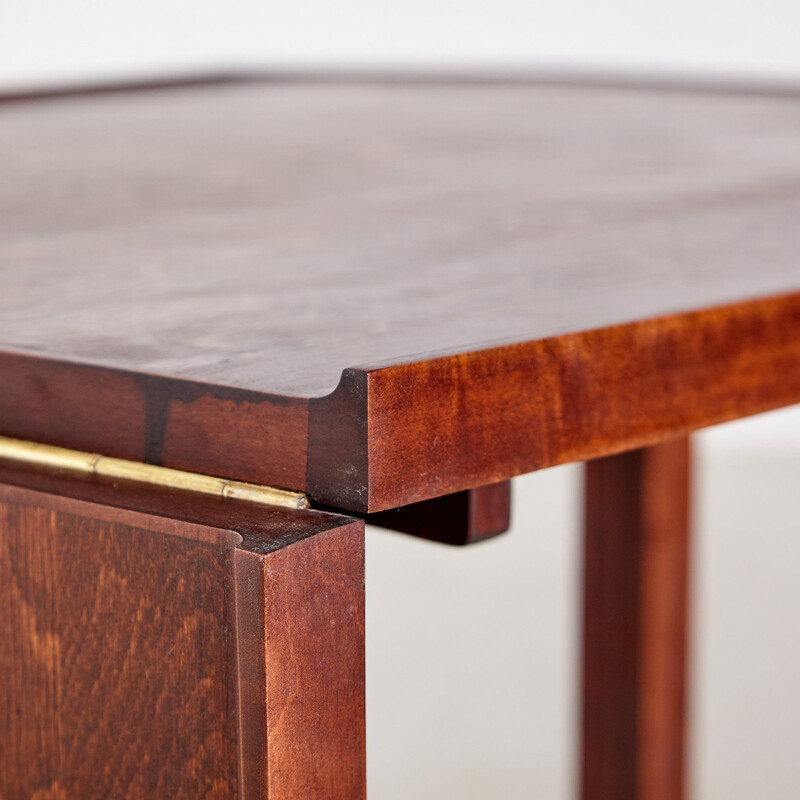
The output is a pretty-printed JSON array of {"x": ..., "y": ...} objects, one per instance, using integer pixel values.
[
  {"x": 635, "y": 624},
  {"x": 149, "y": 655},
  {"x": 458, "y": 519},
  {"x": 497, "y": 277}
]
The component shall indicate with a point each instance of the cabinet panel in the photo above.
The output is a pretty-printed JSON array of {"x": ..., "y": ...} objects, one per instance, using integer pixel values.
[{"x": 150, "y": 656}]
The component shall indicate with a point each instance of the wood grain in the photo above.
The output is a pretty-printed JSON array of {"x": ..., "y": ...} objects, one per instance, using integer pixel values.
[
  {"x": 159, "y": 656},
  {"x": 314, "y": 594},
  {"x": 635, "y": 624},
  {"x": 506, "y": 411},
  {"x": 482, "y": 269},
  {"x": 117, "y": 654},
  {"x": 239, "y": 236},
  {"x": 187, "y": 425}
]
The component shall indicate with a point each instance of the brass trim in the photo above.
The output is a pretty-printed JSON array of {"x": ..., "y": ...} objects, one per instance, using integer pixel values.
[{"x": 46, "y": 455}]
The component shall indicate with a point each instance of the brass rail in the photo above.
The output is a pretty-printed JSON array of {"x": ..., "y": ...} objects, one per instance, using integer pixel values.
[{"x": 46, "y": 455}]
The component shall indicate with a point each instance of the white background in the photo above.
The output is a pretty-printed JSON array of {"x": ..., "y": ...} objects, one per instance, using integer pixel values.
[
  {"x": 472, "y": 653},
  {"x": 67, "y": 39}
]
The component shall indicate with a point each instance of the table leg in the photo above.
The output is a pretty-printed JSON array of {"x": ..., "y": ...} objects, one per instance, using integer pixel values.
[{"x": 635, "y": 624}]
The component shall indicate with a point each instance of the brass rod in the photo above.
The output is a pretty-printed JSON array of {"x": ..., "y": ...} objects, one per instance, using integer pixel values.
[{"x": 46, "y": 455}]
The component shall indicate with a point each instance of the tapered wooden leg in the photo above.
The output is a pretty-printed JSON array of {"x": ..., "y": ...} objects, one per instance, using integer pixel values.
[{"x": 635, "y": 624}]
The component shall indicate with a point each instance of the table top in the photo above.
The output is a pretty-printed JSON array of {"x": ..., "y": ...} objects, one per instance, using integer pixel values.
[{"x": 496, "y": 276}]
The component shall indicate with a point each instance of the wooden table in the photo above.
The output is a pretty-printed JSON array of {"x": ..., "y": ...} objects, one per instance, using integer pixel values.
[{"x": 388, "y": 298}]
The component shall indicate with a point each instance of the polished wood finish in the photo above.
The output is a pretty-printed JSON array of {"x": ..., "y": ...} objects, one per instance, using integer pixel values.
[
  {"x": 213, "y": 654},
  {"x": 635, "y": 624},
  {"x": 393, "y": 296},
  {"x": 320, "y": 285},
  {"x": 573, "y": 398}
]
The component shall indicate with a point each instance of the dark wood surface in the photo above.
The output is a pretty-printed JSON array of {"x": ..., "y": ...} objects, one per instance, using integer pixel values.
[
  {"x": 497, "y": 277},
  {"x": 635, "y": 624},
  {"x": 198, "y": 649},
  {"x": 460, "y": 518}
]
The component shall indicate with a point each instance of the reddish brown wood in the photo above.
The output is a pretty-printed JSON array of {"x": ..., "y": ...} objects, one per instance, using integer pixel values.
[
  {"x": 314, "y": 594},
  {"x": 459, "y": 519},
  {"x": 492, "y": 281},
  {"x": 157, "y": 656},
  {"x": 471, "y": 419},
  {"x": 199, "y": 427},
  {"x": 510, "y": 410},
  {"x": 635, "y": 624}
]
